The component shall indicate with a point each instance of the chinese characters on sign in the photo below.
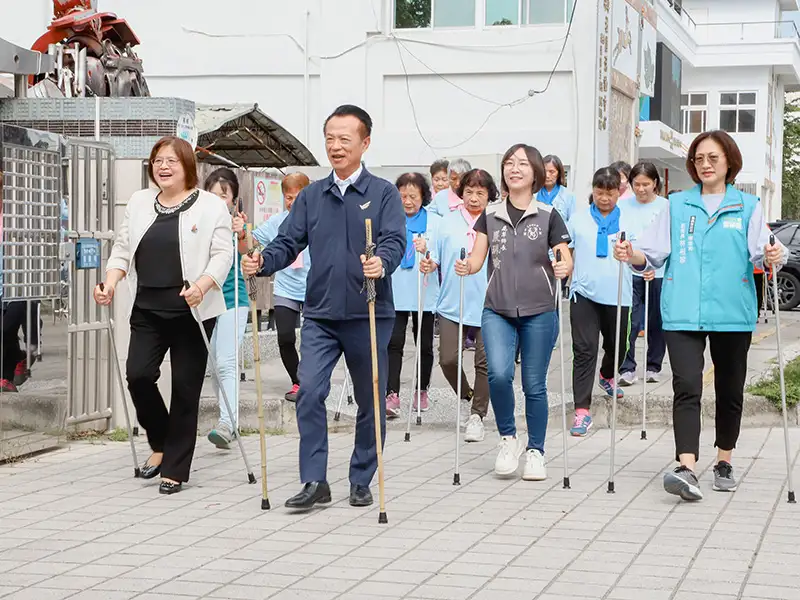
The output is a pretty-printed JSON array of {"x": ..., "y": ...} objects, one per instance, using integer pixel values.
[
  {"x": 602, "y": 65},
  {"x": 268, "y": 199}
]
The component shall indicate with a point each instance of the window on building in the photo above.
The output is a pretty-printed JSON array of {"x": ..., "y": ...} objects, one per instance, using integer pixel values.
[
  {"x": 737, "y": 113},
  {"x": 420, "y": 14},
  {"x": 694, "y": 112},
  {"x": 527, "y": 12}
]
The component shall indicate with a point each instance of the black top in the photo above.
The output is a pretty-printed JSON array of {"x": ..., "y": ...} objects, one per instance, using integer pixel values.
[
  {"x": 158, "y": 263},
  {"x": 514, "y": 214}
]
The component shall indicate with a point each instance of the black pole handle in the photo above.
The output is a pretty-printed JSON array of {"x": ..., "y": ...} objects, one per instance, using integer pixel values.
[
  {"x": 186, "y": 284},
  {"x": 771, "y": 239},
  {"x": 558, "y": 255},
  {"x": 102, "y": 286},
  {"x": 463, "y": 253},
  {"x": 621, "y": 236},
  {"x": 428, "y": 255}
]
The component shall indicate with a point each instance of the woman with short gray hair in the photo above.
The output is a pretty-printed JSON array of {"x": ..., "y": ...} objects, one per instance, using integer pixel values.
[{"x": 448, "y": 199}]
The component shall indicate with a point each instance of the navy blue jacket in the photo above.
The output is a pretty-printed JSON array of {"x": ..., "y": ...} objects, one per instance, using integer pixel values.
[{"x": 333, "y": 229}]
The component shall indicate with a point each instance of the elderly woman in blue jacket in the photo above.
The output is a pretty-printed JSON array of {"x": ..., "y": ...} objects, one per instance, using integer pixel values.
[
  {"x": 422, "y": 229},
  {"x": 289, "y": 284},
  {"x": 709, "y": 239},
  {"x": 554, "y": 192}
]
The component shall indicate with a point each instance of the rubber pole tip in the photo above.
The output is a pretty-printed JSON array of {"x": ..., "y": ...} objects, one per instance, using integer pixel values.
[
  {"x": 242, "y": 377},
  {"x": 349, "y": 399},
  {"x": 265, "y": 504},
  {"x": 610, "y": 488},
  {"x": 408, "y": 437},
  {"x": 566, "y": 483},
  {"x": 644, "y": 435},
  {"x": 135, "y": 431},
  {"x": 419, "y": 421},
  {"x": 383, "y": 519},
  {"x": 337, "y": 416},
  {"x": 456, "y": 479},
  {"x": 251, "y": 478},
  {"x": 137, "y": 472},
  {"x": 791, "y": 498}
]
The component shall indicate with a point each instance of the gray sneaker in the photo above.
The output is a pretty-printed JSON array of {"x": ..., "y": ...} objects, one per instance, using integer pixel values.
[
  {"x": 724, "y": 481},
  {"x": 627, "y": 379},
  {"x": 683, "y": 482},
  {"x": 221, "y": 436},
  {"x": 653, "y": 377}
]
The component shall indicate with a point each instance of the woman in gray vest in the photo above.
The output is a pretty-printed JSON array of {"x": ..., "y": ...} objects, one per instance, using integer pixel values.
[
  {"x": 709, "y": 239},
  {"x": 521, "y": 298}
]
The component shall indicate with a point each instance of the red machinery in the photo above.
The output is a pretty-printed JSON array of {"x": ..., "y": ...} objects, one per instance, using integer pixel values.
[{"x": 93, "y": 50}]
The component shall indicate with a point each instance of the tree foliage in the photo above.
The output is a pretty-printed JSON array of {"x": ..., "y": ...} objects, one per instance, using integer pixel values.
[
  {"x": 412, "y": 14},
  {"x": 790, "y": 208}
]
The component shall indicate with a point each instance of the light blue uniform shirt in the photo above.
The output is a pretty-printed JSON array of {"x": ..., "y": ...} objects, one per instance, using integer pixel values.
[
  {"x": 593, "y": 277},
  {"x": 641, "y": 216},
  {"x": 564, "y": 202},
  {"x": 289, "y": 283},
  {"x": 453, "y": 237},
  {"x": 440, "y": 205},
  {"x": 404, "y": 281}
]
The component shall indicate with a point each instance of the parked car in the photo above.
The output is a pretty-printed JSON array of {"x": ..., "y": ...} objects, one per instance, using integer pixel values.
[{"x": 788, "y": 232}]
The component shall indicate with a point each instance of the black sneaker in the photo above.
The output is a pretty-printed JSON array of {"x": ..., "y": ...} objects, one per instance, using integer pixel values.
[
  {"x": 683, "y": 482},
  {"x": 724, "y": 481}
]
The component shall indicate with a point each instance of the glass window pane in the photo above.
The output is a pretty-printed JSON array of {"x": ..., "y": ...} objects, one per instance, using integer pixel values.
[
  {"x": 727, "y": 120},
  {"x": 749, "y": 98},
  {"x": 698, "y": 99},
  {"x": 729, "y": 99},
  {"x": 412, "y": 14},
  {"x": 747, "y": 121},
  {"x": 684, "y": 99},
  {"x": 454, "y": 13},
  {"x": 547, "y": 11},
  {"x": 696, "y": 121},
  {"x": 502, "y": 12},
  {"x": 785, "y": 234}
]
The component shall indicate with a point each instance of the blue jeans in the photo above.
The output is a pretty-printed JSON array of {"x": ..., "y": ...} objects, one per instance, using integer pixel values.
[
  {"x": 225, "y": 349},
  {"x": 536, "y": 336}
]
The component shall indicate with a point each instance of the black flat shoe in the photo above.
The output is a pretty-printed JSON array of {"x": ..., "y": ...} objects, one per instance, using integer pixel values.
[
  {"x": 167, "y": 487},
  {"x": 150, "y": 471},
  {"x": 360, "y": 495},
  {"x": 314, "y": 492}
]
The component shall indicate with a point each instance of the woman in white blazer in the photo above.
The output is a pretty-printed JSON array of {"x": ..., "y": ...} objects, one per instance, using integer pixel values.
[{"x": 169, "y": 235}]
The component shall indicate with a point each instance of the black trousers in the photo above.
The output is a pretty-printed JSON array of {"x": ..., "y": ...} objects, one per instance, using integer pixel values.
[
  {"x": 588, "y": 321},
  {"x": 656, "y": 344},
  {"x": 729, "y": 355},
  {"x": 398, "y": 342},
  {"x": 172, "y": 432},
  {"x": 10, "y": 346},
  {"x": 285, "y": 323},
  {"x": 759, "y": 281}
]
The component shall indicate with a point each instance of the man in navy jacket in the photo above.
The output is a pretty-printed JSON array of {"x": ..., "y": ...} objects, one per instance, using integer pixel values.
[{"x": 328, "y": 218}]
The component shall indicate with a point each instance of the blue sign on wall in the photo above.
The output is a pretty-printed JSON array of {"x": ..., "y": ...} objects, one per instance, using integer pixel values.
[{"x": 87, "y": 254}]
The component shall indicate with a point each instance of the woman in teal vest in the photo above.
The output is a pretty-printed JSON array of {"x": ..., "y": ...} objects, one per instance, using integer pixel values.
[{"x": 709, "y": 240}]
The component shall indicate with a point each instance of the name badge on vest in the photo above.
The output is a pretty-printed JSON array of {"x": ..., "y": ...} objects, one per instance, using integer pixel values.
[{"x": 692, "y": 219}]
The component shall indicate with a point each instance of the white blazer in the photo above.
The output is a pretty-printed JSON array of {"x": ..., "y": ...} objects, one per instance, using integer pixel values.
[{"x": 205, "y": 240}]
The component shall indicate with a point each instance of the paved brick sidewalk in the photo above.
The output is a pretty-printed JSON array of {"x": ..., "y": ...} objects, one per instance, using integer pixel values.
[{"x": 75, "y": 524}]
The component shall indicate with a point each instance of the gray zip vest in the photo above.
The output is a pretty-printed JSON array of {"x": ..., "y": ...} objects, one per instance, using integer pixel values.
[{"x": 521, "y": 279}]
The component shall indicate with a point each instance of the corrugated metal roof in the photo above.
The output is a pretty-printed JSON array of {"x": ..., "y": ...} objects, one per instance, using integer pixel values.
[{"x": 242, "y": 133}]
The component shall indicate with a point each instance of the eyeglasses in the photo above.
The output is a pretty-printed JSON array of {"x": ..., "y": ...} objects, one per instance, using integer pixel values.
[
  {"x": 713, "y": 159},
  {"x": 170, "y": 162}
]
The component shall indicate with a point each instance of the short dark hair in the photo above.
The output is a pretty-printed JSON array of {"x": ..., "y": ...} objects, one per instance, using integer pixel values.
[
  {"x": 185, "y": 155},
  {"x": 478, "y": 178},
  {"x": 351, "y": 110},
  {"x": 732, "y": 154},
  {"x": 552, "y": 159},
  {"x": 418, "y": 181},
  {"x": 537, "y": 164},
  {"x": 622, "y": 167},
  {"x": 439, "y": 165},
  {"x": 606, "y": 178},
  {"x": 225, "y": 178},
  {"x": 647, "y": 169}
]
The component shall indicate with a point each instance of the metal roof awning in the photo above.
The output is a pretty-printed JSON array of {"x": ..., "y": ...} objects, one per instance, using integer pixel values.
[{"x": 241, "y": 133}]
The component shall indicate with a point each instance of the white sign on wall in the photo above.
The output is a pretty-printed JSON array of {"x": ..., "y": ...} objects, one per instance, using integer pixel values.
[
  {"x": 647, "y": 76},
  {"x": 268, "y": 199},
  {"x": 625, "y": 46}
]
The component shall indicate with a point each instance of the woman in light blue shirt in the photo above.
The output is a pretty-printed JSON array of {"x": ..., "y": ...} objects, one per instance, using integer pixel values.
[
  {"x": 422, "y": 229},
  {"x": 643, "y": 209},
  {"x": 554, "y": 192}
]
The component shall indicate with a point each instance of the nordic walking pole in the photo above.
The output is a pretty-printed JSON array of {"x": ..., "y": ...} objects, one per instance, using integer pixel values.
[
  {"x": 236, "y": 344},
  {"x": 560, "y": 303},
  {"x": 616, "y": 374},
  {"x": 369, "y": 284},
  {"x": 215, "y": 374},
  {"x": 420, "y": 299},
  {"x": 781, "y": 367},
  {"x": 345, "y": 390},
  {"x": 456, "y": 473},
  {"x": 644, "y": 362},
  {"x": 252, "y": 293},
  {"x": 112, "y": 343}
]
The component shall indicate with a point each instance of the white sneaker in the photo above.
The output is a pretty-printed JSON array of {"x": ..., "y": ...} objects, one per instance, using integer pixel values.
[
  {"x": 475, "y": 431},
  {"x": 653, "y": 377},
  {"x": 534, "y": 467},
  {"x": 507, "y": 461},
  {"x": 627, "y": 379}
]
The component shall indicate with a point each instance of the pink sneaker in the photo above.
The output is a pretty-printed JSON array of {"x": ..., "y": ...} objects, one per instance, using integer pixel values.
[
  {"x": 392, "y": 406},
  {"x": 424, "y": 401}
]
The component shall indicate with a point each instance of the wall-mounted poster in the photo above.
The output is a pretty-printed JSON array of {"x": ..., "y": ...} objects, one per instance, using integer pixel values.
[
  {"x": 267, "y": 200},
  {"x": 647, "y": 75},
  {"x": 625, "y": 45}
]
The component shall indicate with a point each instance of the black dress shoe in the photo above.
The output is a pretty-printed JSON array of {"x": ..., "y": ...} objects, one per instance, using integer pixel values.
[
  {"x": 360, "y": 495},
  {"x": 150, "y": 471},
  {"x": 314, "y": 492},
  {"x": 168, "y": 487}
]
